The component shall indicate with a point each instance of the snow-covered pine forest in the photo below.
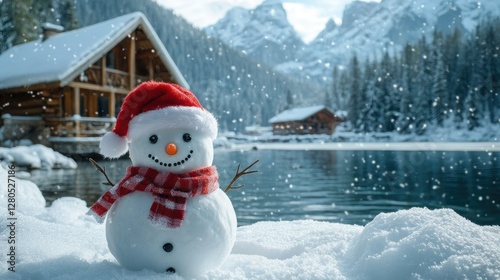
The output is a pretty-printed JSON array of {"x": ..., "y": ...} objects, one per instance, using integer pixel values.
[
  {"x": 447, "y": 80},
  {"x": 20, "y": 20},
  {"x": 451, "y": 80}
]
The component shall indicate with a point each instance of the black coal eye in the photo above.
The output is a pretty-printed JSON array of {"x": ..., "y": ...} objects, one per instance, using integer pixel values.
[
  {"x": 153, "y": 139},
  {"x": 186, "y": 137}
]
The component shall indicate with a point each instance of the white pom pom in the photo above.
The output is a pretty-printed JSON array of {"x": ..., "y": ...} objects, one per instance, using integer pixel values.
[{"x": 112, "y": 145}]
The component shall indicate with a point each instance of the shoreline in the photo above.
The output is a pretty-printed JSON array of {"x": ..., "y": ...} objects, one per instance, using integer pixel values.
[{"x": 374, "y": 146}]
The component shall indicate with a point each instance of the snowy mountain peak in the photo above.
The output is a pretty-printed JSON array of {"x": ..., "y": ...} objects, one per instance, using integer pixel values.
[
  {"x": 355, "y": 12},
  {"x": 367, "y": 29},
  {"x": 329, "y": 28},
  {"x": 263, "y": 33}
]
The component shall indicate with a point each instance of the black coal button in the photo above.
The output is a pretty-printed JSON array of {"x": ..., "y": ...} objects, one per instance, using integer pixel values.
[
  {"x": 168, "y": 247},
  {"x": 171, "y": 270}
]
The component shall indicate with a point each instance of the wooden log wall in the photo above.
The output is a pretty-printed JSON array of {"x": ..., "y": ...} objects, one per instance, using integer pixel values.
[{"x": 39, "y": 103}]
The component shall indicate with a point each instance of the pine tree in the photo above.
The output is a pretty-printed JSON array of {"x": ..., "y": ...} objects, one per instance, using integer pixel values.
[
  {"x": 384, "y": 87},
  {"x": 290, "y": 100},
  {"x": 7, "y": 33},
  {"x": 356, "y": 98},
  {"x": 44, "y": 11},
  {"x": 478, "y": 65},
  {"x": 495, "y": 60},
  {"x": 344, "y": 88},
  {"x": 405, "y": 116},
  {"x": 373, "y": 113},
  {"x": 471, "y": 109},
  {"x": 328, "y": 102},
  {"x": 24, "y": 22},
  {"x": 68, "y": 18},
  {"x": 423, "y": 114},
  {"x": 335, "y": 88},
  {"x": 490, "y": 47},
  {"x": 452, "y": 55},
  {"x": 439, "y": 90}
]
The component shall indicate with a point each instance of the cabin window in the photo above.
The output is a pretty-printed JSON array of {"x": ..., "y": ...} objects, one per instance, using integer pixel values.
[
  {"x": 102, "y": 106},
  {"x": 83, "y": 109},
  {"x": 118, "y": 104},
  {"x": 110, "y": 60},
  {"x": 63, "y": 107}
]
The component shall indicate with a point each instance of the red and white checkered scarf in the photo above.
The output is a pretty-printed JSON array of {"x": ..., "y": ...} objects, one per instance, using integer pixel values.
[{"x": 170, "y": 191}]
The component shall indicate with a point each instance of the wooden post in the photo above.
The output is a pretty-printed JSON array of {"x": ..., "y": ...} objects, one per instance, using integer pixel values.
[
  {"x": 68, "y": 103},
  {"x": 111, "y": 104},
  {"x": 76, "y": 109},
  {"x": 76, "y": 102},
  {"x": 131, "y": 61},
  {"x": 103, "y": 71},
  {"x": 151, "y": 69}
]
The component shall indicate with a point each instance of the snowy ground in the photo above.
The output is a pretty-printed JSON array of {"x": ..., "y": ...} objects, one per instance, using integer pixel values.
[{"x": 61, "y": 242}]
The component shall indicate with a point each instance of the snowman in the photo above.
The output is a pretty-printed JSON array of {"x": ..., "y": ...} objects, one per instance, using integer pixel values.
[{"x": 168, "y": 213}]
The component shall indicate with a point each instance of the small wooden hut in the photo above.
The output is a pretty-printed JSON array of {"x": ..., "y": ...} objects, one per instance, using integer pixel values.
[
  {"x": 307, "y": 120},
  {"x": 67, "y": 87}
]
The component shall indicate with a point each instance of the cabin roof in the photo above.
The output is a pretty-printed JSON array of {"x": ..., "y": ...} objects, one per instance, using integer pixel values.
[
  {"x": 62, "y": 57},
  {"x": 298, "y": 114}
]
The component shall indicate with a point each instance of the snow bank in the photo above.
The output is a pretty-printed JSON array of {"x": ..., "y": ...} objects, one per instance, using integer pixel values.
[
  {"x": 343, "y": 134},
  {"x": 36, "y": 156},
  {"x": 61, "y": 242}
]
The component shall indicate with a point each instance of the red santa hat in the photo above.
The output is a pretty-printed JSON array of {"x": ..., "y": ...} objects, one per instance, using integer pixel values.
[{"x": 152, "y": 106}]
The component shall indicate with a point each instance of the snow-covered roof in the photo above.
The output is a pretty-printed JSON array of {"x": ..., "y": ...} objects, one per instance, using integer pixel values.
[
  {"x": 62, "y": 57},
  {"x": 297, "y": 114}
]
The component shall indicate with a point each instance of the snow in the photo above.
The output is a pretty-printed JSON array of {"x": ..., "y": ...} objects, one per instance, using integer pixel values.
[
  {"x": 61, "y": 242},
  {"x": 35, "y": 156}
]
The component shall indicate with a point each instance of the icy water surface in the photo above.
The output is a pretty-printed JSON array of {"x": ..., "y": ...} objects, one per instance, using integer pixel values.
[{"x": 339, "y": 186}]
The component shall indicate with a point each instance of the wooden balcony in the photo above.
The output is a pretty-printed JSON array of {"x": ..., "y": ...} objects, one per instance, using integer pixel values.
[{"x": 111, "y": 77}]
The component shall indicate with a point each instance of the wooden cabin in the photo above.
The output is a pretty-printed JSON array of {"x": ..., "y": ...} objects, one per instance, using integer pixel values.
[
  {"x": 308, "y": 120},
  {"x": 69, "y": 86}
]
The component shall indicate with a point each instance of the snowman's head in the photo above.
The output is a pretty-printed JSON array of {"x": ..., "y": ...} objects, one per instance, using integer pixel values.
[
  {"x": 165, "y": 127},
  {"x": 176, "y": 150}
]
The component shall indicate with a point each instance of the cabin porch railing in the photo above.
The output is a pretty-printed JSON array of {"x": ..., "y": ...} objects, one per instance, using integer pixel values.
[
  {"x": 113, "y": 77},
  {"x": 78, "y": 126}
]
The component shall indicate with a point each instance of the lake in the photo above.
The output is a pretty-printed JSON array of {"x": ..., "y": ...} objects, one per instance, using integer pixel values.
[{"x": 345, "y": 186}]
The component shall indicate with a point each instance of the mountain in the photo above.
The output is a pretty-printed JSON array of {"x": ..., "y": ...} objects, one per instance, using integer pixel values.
[
  {"x": 367, "y": 29},
  {"x": 264, "y": 33}
]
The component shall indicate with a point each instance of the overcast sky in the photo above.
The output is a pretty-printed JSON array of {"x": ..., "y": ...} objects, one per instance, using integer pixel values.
[{"x": 307, "y": 16}]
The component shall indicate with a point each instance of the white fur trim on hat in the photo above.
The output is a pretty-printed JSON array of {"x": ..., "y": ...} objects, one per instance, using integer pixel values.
[
  {"x": 194, "y": 118},
  {"x": 112, "y": 145}
]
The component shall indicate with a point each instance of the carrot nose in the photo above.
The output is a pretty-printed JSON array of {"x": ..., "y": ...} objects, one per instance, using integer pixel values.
[{"x": 171, "y": 149}]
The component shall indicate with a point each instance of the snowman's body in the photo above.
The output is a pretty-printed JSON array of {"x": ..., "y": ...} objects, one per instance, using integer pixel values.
[{"x": 202, "y": 242}]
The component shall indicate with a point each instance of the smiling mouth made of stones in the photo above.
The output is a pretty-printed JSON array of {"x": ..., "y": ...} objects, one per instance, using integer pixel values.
[{"x": 171, "y": 164}]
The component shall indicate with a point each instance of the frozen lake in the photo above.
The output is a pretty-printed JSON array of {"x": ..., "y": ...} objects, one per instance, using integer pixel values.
[{"x": 342, "y": 185}]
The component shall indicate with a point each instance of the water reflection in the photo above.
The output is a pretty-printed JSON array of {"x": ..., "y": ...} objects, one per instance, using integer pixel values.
[{"x": 340, "y": 186}]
